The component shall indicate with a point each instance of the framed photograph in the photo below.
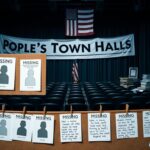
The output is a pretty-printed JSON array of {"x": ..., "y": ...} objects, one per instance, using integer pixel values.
[{"x": 133, "y": 72}]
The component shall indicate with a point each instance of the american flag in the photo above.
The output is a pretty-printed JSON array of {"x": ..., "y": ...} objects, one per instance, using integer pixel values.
[
  {"x": 79, "y": 22},
  {"x": 75, "y": 74}
]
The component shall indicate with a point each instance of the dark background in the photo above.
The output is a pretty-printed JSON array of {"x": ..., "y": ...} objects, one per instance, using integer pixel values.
[{"x": 45, "y": 19}]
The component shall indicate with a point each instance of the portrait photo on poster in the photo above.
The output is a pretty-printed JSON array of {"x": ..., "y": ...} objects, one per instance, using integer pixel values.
[
  {"x": 43, "y": 131},
  {"x": 7, "y": 73},
  {"x": 22, "y": 127},
  {"x": 6, "y": 122}
]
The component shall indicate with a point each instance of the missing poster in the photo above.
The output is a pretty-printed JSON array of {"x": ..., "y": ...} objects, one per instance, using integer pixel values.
[
  {"x": 22, "y": 129},
  {"x": 146, "y": 124},
  {"x": 30, "y": 75},
  {"x": 70, "y": 128},
  {"x": 99, "y": 127},
  {"x": 43, "y": 131},
  {"x": 126, "y": 125},
  {"x": 6, "y": 121},
  {"x": 7, "y": 73}
]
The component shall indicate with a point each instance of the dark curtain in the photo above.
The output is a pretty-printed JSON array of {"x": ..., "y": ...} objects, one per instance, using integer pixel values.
[
  {"x": 109, "y": 69},
  {"x": 92, "y": 70}
]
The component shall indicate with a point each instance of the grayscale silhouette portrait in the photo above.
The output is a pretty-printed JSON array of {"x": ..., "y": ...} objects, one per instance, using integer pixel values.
[
  {"x": 3, "y": 129},
  {"x": 22, "y": 130},
  {"x": 42, "y": 132},
  {"x": 4, "y": 78},
  {"x": 30, "y": 80}
]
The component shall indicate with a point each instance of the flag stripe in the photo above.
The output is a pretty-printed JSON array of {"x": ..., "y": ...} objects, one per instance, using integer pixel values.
[
  {"x": 86, "y": 11},
  {"x": 71, "y": 27},
  {"x": 67, "y": 27},
  {"x": 85, "y": 34},
  {"x": 86, "y": 21},
  {"x": 85, "y": 26},
  {"x": 75, "y": 74},
  {"x": 79, "y": 20},
  {"x": 75, "y": 27},
  {"x": 85, "y": 31},
  {"x": 85, "y": 16}
]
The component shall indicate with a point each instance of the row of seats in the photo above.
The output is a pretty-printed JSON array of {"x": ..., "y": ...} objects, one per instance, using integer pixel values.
[
  {"x": 82, "y": 97},
  {"x": 113, "y": 96}
]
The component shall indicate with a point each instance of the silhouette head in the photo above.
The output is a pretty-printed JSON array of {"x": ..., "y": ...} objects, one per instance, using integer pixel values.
[
  {"x": 3, "y": 123},
  {"x": 22, "y": 123},
  {"x": 30, "y": 72},
  {"x": 43, "y": 125},
  {"x": 3, "y": 69}
]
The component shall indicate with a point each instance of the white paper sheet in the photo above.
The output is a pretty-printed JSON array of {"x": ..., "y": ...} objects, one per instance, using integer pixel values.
[
  {"x": 126, "y": 125},
  {"x": 22, "y": 127},
  {"x": 99, "y": 127},
  {"x": 70, "y": 127},
  {"x": 30, "y": 75},
  {"x": 43, "y": 129},
  {"x": 6, "y": 126},
  {"x": 146, "y": 124},
  {"x": 7, "y": 73}
]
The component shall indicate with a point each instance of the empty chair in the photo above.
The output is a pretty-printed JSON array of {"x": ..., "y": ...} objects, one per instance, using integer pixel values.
[
  {"x": 146, "y": 94},
  {"x": 60, "y": 95},
  {"x": 105, "y": 106},
  {"x": 20, "y": 106},
  {"x": 7, "y": 105},
  {"x": 109, "y": 91},
  {"x": 140, "y": 99},
  {"x": 94, "y": 94},
  {"x": 54, "y": 100},
  {"x": 3, "y": 99},
  {"x": 34, "y": 99},
  {"x": 128, "y": 94},
  {"x": 76, "y": 92},
  {"x": 119, "y": 99},
  {"x": 92, "y": 91},
  {"x": 76, "y": 100},
  {"x": 132, "y": 105},
  {"x": 147, "y": 105},
  {"x": 97, "y": 99},
  {"x": 110, "y": 95},
  {"x": 50, "y": 107},
  {"x": 76, "y": 107}
]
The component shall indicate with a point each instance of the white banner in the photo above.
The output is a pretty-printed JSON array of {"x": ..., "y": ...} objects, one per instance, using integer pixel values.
[{"x": 70, "y": 49}]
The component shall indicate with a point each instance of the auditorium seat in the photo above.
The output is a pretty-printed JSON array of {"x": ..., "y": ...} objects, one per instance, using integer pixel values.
[
  {"x": 110, "y": 95},
  {"x": 119, "y": 99},
  {"x": 140, "y": 99},
  {"x": 132, "y": 105},
  {"x": 72, "y": 92},
  {"x": 76, "y": 107},
  {"x": 147, "y": 104},
  {"x": 146, "y": 94},
  {"x": 19, "y": 106},
  {"x": 107, "y": 105},
  {"x": 54, "y": 99},
  {"x": 82, "y": 96},
  {"x": 3, "y": 101},
  {"x": 90, "y": 95},
  {"x": 96, "y": 99},
  {"x": 50, "y": 107},
  {"x": 135, "y": 102},
  {"x": 76, "y": 94},
  {"x": 76, "y": 99}
]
